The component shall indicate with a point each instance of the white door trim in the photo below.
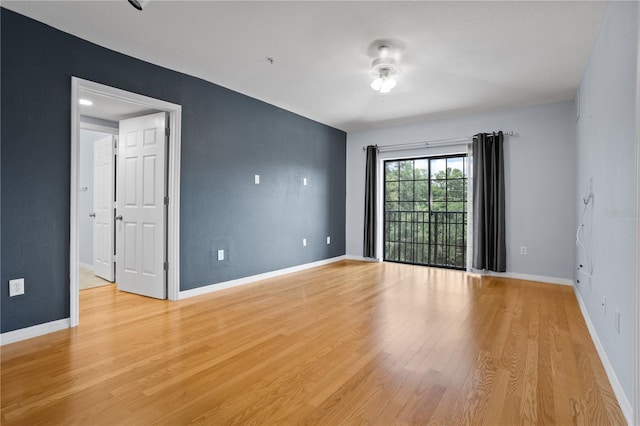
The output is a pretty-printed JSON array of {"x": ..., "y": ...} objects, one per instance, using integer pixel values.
[{"x": 173, "y": 189}]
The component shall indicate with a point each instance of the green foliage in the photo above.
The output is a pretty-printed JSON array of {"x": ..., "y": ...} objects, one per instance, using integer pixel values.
[{"x": 425, "y": 211}]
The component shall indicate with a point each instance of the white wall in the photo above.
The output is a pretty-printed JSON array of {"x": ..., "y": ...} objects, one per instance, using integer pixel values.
[
  {"x": 606, "y": 143},
  {"x": 539, "y": 180},
  {"x": 85, "y": 198},
  {"x": 636, "y": 371}
]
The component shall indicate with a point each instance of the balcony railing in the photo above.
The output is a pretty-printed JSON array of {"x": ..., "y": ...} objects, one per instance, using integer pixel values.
[{"x": 432, "y": 238}]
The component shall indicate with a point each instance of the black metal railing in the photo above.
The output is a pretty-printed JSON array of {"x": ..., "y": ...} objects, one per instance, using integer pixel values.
[{"x": 431, "y": 238}]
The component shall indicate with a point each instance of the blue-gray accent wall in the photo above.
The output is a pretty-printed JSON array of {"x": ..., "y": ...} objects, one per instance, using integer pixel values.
[{"x": 227, "y": 138}]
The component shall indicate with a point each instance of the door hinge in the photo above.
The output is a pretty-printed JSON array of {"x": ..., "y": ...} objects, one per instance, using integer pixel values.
[
  {"x": 166, "y": 266},
  {"x": 166, "y": 201}
]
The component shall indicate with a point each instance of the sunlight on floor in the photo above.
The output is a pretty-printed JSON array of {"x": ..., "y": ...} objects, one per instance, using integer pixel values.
[{"x": 88, "y": 280}]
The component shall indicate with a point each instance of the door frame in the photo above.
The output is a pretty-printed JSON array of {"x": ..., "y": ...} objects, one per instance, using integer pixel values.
[
  {"x": 450, "y": 149},
  {"x": 467, "y": 159},
  {"x": 172, "y": 176}
]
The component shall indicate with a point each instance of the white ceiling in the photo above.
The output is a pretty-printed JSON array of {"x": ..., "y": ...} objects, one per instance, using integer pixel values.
[
  {"x": 111, "y": 109},
  {"x": 456, "y": 57}
]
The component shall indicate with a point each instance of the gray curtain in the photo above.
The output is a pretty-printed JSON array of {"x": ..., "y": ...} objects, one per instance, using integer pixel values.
[
  {"x": 489, "y": 251},
  {"x": 369, "y": 249}
]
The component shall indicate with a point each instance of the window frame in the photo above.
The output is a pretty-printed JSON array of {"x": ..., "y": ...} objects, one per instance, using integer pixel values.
[{"x": 457, "y": 260}]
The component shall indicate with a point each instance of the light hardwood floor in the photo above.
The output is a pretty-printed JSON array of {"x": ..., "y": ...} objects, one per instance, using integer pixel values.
[{"x": 348, "y": 343}]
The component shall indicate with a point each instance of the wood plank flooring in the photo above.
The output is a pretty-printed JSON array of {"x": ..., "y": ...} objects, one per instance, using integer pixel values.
[{"x": 348, "y": 343}]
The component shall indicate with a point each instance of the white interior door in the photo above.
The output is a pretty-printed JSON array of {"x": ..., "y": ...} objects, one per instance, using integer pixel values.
[
  {"x": 140, "y": 216},
  {"x": 103, "y": 195}
]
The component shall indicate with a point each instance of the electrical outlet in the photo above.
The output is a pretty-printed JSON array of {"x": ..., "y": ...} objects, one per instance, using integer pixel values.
[
  {"x": 328, "y": 240},
  {"x": 16, "y": 287},
  {"x": 220, "y": 255},
  {"x": 616, "y": 323},
  {"x": 304, "y": 242},
  {"x": 604, "y": 305},
  {"x": 523, "y": 250}
]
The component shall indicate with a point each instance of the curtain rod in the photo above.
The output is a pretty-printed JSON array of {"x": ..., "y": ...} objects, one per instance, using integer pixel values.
[{"x": 437, "y": 142}]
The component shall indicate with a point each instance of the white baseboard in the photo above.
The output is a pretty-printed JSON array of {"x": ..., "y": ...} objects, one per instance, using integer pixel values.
[
  {"x": 362, "y": 258},
  {"x": 34, "y": 331},
  {"x": 527, "y": 277},
  {"x": 248, "y": 280},
  {"x": 514, "y": 275},
  {"x": 625, "y": 404}
]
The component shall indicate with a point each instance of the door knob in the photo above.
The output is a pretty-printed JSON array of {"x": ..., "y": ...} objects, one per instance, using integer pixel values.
[
  {"x": 119, "y": 217},
  {"x": 92, "y": 215}
]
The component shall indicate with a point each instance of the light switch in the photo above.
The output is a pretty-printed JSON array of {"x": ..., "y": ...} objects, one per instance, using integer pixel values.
[
  {"x": 257, "y": 179},
  {"x": 304, "y": 181},
  {"x": 220, "y": 254},
  {"x": 328, "y": 240},
  {"x": 304, "y": 242}
]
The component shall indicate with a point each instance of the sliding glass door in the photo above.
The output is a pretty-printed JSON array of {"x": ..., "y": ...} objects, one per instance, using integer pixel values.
[{"x": 425, "y": 211}]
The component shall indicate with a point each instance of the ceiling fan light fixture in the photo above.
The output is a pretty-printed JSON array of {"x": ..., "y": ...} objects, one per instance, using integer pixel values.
[
  {"x": 384, "y": 83},
  {"x": 387, "y": 84},
  {"x": 384, "y": 52},
  {"x": 383, "y": 68}
]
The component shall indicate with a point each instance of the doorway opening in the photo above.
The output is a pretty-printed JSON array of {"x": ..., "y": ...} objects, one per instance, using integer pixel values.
[
  {"x": 162, "y": 188},
  {"x": 95, "y": 200},
  {"x": 425, "y": 211}
]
